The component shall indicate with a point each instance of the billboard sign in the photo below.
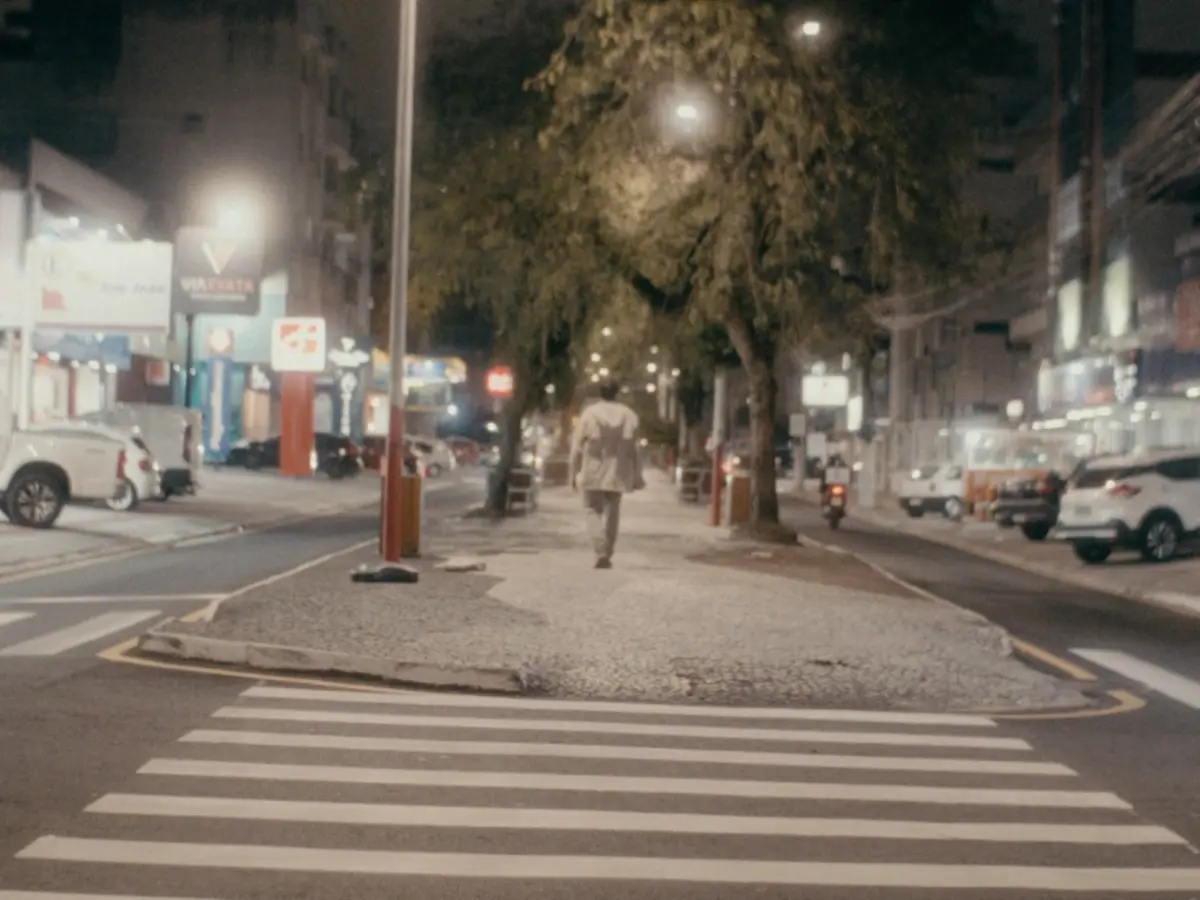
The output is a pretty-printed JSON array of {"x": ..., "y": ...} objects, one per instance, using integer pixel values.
[
  {"x": 500, "y": 382},
  {"x": 217, "y": 273},
  {"x": 101, "y": 286},
  {"x": 825, "y": 391},
  {"x": 298, "y": 345}
]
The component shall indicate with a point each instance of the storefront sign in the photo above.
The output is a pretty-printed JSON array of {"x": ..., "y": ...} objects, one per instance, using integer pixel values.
[
  {"x": 1098, "y": 381},
  {"x": 349, "y": 355},
  {"x": 500, "y": 382},
  {"x": 220, "y": 343},
  {"x": 104, "y": 286},
  {"x": 104, "y": 349},
  {"x": 216, "y": 273},
  {"x": 825, "y": 391},
  {"x": 298, "y": 345},
  {"x": 218, "y": 409}
]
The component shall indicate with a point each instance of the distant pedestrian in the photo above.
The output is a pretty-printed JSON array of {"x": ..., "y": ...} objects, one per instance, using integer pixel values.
[{"x": 606, "y": 464}]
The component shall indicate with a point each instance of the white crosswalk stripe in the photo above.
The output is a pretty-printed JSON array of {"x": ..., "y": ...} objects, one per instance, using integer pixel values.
[
  {"x": 303, "y": 792},
  {"x": 76, "y": 634}
]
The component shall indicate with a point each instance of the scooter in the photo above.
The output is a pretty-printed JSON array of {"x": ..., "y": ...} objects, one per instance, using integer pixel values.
[{"x": 834, "y": 509}]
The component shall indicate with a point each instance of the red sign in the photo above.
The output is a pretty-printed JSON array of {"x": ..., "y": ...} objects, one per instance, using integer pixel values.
[
  {"x": 1187, "y": 317},
  {"x": 499, "y": 382}
]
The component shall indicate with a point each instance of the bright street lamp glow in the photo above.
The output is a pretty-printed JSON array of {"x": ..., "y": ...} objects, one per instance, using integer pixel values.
[
  {"x": 452, "y": 410},
  {"x": 689, "y": 112},
  {"x": 811, "y": 28},
  {"x": 651, "y": 368},
  {"x": 595, "y": 379},
  {"x": 675, "y": 373},
  {"x": 650, "y": 388},
  {"x": 603, "y": 372},
  {"x": 595, "y": 357},
  {"x": 606, "y": 331}
]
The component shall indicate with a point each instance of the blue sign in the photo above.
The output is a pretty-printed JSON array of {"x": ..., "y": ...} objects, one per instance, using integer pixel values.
[
  {"x": 105, "y": 349},
  {"x": 218, "y": 409}
]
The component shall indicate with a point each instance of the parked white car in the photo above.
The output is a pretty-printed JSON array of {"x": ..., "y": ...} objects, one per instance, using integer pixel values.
[
  {"x": 143, "y": 474},
  {"x": 936, "y": 489},
  {"x": 40, "y": 473},
  {"x": 438, "y": 456},
  {"x": 1149, "y": 502}
]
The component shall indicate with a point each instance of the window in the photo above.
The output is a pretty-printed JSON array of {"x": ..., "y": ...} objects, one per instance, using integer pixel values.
[
  {"x": 1099, "y": 476},
  {"x": 1185, "y": 469},
  {"x": 193, "y": 123}
]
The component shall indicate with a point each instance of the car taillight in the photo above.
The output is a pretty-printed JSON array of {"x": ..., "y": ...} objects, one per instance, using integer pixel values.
[
  {"x": 838, "y": 489},
  {"x": 121, "y": 464},
  {"x": 1123, "y": 491},
  {"x": 144, "y": 464}
]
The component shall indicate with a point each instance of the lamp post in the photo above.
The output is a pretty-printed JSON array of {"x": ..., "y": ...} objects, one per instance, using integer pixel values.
[{"x": 393, "y": 486}]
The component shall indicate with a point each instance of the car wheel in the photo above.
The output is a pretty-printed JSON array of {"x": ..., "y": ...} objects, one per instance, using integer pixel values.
[
  {"x": 954, "y": 509},
  {"x": 4, "y": 509},
  {"x": 35, "y": 500},
  {"x": 1160, "y": 538},
  {"x": 125, "y": 500},
  {"x": 915, "y": 512},
  {"x": 1036, "y": 531},
  {"x": 1092, "y": 554},
  {"x": 253, "y": 462}
]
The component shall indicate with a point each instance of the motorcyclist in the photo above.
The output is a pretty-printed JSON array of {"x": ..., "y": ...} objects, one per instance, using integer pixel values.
[{"x": 834, "y": 462}]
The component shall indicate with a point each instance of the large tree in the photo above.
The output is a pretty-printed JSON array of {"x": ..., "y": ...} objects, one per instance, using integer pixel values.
[{"x": 768, "y": 173}]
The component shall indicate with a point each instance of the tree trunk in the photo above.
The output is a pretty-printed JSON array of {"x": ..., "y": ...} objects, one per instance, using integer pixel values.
[
  {"x": 510, "y": 453},
  {"x": 758, "y": 359}
]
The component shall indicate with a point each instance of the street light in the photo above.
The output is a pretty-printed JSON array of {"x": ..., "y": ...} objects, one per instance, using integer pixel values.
[
  {"x": 810, "y": 28},
  {"x": 688, "y": 112}
]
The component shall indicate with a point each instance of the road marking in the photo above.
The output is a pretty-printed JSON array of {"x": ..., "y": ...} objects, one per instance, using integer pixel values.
[
  {"x": 1052, "y": 660},
  {"x": 13, "y": 618},
  {"x": 442, "y": 701},
  {"x": 868, "y": 793},
  {"x": 116, "y": 598},
  {"x": 593, "y": 727},
  {"x": 1124, "y": 702},
  {"x": 406, "y": 816},
  {"x": 208, "y": 612},
  {"x": 1166, "y": 682},
  {"x": 626, "y": 753},
  {"x": 610, "y": 868},
  {"x": 54, "y": 895},
  {"x": 81, "y": 633}
]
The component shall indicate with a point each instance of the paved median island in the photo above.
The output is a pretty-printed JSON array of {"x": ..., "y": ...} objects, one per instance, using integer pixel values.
[{"x": 687, "y": 613}]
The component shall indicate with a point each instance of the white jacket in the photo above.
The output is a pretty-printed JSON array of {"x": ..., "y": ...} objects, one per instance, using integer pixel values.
[{"x": 604, "y": 450}]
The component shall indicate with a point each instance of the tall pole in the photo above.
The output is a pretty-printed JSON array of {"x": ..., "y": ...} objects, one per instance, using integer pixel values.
[
  {"x": 1092, "y": 186},
  {"x": 391, "y": 516},
  {"x": 720, "y": 415},
  {"x": 189, "y": 359},
  {"x": 1053, "y": 218}
]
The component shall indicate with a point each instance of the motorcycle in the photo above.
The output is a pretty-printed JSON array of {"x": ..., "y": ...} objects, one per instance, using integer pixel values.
[{"x": 834, "y": 507}]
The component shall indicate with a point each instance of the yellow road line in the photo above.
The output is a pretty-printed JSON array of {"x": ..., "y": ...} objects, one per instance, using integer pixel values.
[
  {"x": 1033, "y": 651},
  {"x": 1125, "y": 703}
]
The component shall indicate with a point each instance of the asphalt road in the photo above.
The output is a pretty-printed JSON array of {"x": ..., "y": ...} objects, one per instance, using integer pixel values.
[
  {"x": 1151, "y": 756},
  {"x": 130, "y": 782}
]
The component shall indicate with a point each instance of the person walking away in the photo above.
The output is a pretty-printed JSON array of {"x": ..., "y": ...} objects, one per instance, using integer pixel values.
[{"x": 605, "y": 465}]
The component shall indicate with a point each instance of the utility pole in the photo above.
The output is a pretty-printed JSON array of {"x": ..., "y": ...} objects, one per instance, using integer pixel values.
[
  {"x": 1053, "y": 253},
  {"x": 391, "y": 512}
]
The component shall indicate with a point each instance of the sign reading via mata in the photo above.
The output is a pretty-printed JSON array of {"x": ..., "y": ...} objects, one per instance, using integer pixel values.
[
  {"x": 217, "y": 273},
  {"x": 298, "y": 345}
]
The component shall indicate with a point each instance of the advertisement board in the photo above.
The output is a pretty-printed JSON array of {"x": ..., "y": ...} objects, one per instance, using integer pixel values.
[
  {"x": 217, "y": 273},
  {"x": 101, "y": 286},
  {"x": 825, "y": 391},
  {"x": 298, "y": 345}
]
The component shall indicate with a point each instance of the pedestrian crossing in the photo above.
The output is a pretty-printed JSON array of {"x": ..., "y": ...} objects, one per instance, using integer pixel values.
[
  {"x": 302, "y": 792},
  {"x": 51, "y": 628}
]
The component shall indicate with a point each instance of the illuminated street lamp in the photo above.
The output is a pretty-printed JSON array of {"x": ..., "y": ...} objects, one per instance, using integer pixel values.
[{"x": 810, "y": 28}]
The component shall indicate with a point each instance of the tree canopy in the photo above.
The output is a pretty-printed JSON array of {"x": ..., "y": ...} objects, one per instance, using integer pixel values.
[{"x": 766, "y": 173}]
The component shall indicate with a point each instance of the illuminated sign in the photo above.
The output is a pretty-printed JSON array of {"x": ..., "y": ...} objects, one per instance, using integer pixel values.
[
  {"x": 298, "y": 345},
  {"x": 500, "y": 382}
]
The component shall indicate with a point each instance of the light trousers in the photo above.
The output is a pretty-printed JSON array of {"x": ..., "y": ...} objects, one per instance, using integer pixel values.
[{"x": 604, "y": 520}]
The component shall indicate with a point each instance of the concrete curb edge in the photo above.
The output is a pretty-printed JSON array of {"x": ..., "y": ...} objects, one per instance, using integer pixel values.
[{"x": 162, "y": 642}]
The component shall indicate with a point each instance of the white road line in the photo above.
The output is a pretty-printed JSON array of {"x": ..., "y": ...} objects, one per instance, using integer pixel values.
[
  {"x": 119, "y": 598},
  {"x": 537, "y": 781},
  {"x": 79, "y": 634},
  {"x": 406, "y": 816},
  {"x": 1166, "y": 682},
  {"x": 54, "y": 895},
  {"x": 595, "y": 727},
  {"x": 411, "y": 698},
  {"x": 611, "y": 868},
  {"x": 615, "y": 752},
  {"x": 13, "y": 618}
]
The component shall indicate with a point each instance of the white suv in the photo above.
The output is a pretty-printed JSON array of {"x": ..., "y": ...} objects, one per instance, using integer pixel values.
[{"x": 1149, "y": 502}]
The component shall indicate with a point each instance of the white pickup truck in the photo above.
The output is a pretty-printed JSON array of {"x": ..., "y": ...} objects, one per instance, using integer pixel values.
[{"x": 40, "y": 473}]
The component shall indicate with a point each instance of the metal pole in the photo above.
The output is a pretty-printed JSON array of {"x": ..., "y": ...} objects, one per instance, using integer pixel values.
[
  {"x": 189, "y": 359},
  {"x": 390, "y": 541},
  {"x": 29, "y": 312},
  {"x": 720, "y": 403}
]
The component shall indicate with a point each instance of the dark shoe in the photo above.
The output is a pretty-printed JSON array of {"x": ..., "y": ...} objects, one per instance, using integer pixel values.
[{"x": 604, "y": 564}]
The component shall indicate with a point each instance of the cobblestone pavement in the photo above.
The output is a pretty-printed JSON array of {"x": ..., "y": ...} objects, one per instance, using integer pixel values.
[{"x": 686, "y": 614}]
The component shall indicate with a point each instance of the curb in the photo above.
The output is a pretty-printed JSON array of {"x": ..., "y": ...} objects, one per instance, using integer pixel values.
[
  {"x": 164, "y": 643},
  {"x": 1180, "y": 604}
]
